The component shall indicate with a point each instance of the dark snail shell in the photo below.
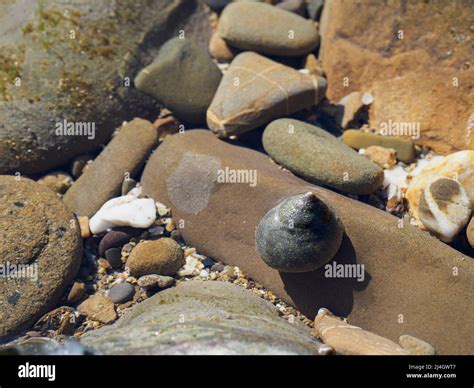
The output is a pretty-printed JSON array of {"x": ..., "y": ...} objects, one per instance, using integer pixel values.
[{"x": 300, "y": 234}]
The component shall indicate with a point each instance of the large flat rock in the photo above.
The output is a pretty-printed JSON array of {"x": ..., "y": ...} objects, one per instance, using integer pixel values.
[{"x": 414, "y": 284}]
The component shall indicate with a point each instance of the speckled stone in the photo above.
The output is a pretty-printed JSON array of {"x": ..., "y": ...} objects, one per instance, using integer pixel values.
[
  {"x": 320, "y": 158},
  {"x": 267, "y": 29},
  {"x": 161, "y": 257},
  {"x": 36, "y": 230}
]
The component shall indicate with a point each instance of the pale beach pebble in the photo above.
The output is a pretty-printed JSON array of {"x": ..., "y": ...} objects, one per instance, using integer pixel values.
[
  {"x": 459, "y": 166},
  {"x": 127, "y": 210},
  {"x": 444, "y": 208}
]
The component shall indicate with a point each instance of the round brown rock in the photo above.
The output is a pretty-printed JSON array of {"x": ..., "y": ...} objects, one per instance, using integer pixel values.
[
  {"x": 40, "y": 239},
  {"x": 162, "y": 257}
]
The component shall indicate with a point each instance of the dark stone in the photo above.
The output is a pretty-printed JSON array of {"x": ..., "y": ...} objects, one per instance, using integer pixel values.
[
  {"x": 114, "y": 257},
  {"x": 121, "y": 293},
  {"x": 113, "y": 239}
]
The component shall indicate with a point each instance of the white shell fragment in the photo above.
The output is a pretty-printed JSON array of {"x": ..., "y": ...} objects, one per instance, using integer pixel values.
[{"x": 127, "y": 210}]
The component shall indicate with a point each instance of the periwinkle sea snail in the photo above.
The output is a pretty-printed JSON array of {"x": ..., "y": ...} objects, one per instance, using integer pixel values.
[{"x": 299, "y": 234}]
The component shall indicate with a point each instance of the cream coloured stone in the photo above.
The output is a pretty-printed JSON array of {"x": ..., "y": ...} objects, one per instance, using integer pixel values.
[{"x": 459, "y": 165}]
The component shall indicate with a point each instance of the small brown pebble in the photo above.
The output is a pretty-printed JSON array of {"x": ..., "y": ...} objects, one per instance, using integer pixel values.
[
  {"x": 103, "y": 263},
  {"x": 162, "y": 257},
  {"x": 99, "y": 308},
  {"x": 384, "y": 157},
  {"x": 84, "y": 226},
  {"x": 77, "y": 291},
  {"x": 166, "y": 126}
]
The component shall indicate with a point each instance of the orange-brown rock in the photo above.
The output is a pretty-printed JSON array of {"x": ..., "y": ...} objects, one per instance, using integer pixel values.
[{"x": 415, "y": 58}]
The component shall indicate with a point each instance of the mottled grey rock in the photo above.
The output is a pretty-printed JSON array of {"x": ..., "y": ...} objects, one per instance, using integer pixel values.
[
  {"x": 267, "y": 29},
  {"x": 40, "y": 252},
  {"x": 183, "y": 78},
  {"x": 82, "y": 78},
  {"x": 256, "y": 90},
  {"x": 319, "y": 157},
  {"x": 300, "y": 234},
  {"x": 202, "y": 318}
]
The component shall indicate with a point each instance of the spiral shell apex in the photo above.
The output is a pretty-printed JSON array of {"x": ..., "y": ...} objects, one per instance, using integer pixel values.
[{"x": 300, "y": 234}]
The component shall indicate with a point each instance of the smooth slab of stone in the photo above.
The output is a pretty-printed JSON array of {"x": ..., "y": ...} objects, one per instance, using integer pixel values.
[
  {"x": 352, "y": 340},
  {"x": 459, "y": 166},
  {"x": 40, "y": 239},
  {"x": 183, "y": 78},
  {"x": 445, "y": 208},
  {"x": 267, "y": 29},
  {"x": 256, "y": 90},
  {"x": 300, "y": 234},
  {"x": 296, "y": 6},
  {"x": 318, "y": 157},
  {"x": 125, "y": 154},
  {"x": 127, "y": 210},
  {"x": 411, "y": 81},
  {"x": 359, "y": 139},
  {"x": 202, "y": 318},
  {"x": 85, "y": 80},
  {"x": 405, "y": 271}
]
